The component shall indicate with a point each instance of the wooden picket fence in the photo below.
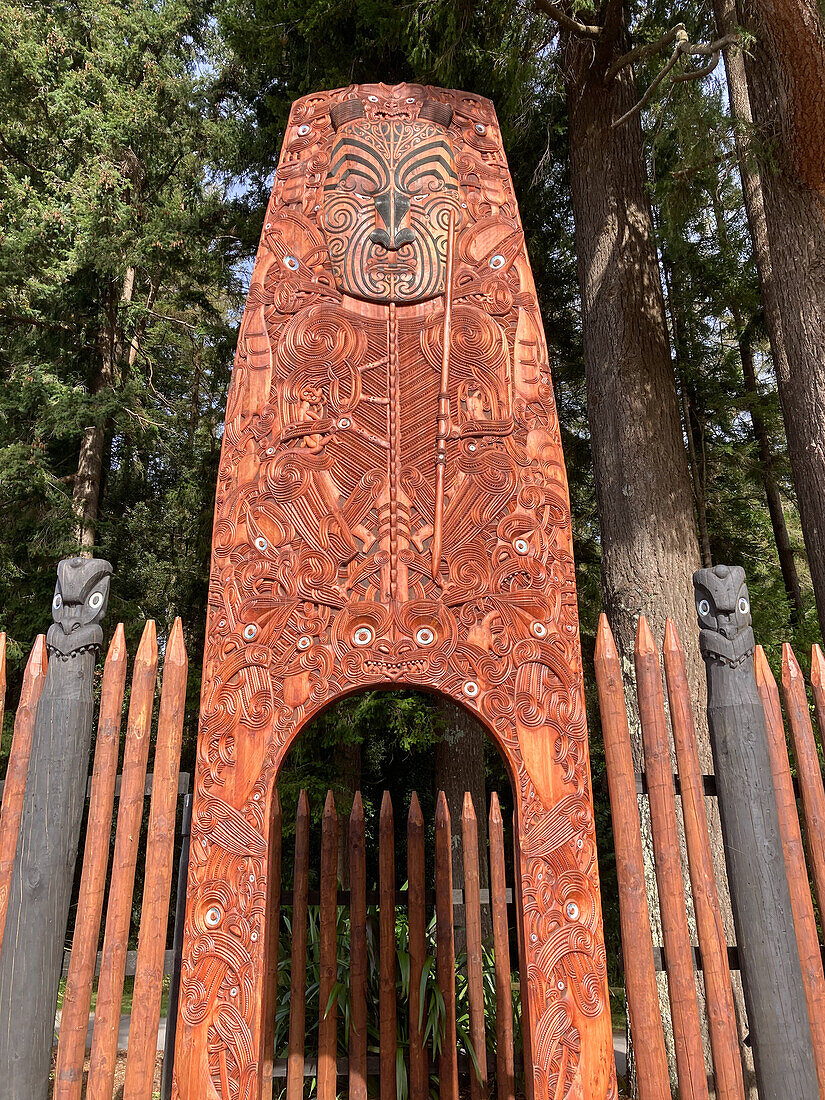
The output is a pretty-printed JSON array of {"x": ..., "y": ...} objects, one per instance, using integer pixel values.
[
  {"x": 661, "y": 786},
  {"x": 682, "y": 959},
  {"x": 324, "y": 1063},
  {"x": 159, "y": 856}
]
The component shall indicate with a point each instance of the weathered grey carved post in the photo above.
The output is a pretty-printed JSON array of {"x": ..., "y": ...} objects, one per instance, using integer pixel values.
[
  {"x": 41, "y": 886},
  {"x": 765, "y": 935}
]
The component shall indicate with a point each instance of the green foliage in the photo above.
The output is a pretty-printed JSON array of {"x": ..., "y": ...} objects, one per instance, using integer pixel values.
[{"x": 432, "y": 1011}]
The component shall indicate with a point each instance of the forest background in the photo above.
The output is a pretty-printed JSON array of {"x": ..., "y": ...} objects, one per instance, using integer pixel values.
[{"x": 680, "y": 285}]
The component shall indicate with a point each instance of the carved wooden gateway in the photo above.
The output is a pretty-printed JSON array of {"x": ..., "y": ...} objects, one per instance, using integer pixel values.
[{"x": 392, "y": 509}]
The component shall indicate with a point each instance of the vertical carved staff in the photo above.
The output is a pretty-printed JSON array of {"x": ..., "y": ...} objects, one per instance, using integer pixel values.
[
  {"x": 41, "y": 885},
  {"x": 768, "y": 952},
  {"x": 443, "y": 429}
]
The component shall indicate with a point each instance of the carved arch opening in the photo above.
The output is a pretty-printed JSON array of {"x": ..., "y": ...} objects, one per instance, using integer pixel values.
[{"x": 392, "y": 507}]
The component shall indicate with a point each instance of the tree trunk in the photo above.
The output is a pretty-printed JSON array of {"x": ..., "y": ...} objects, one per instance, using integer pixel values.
[
  {"x": 459, "y": 767},
  {"x": 690, "y": 419},
  {"x": 780, "y": 88},
  {"x": 643, "y": 489},
  {"x": 784, "y": 550},
  {"x": 87, "y": 482}
]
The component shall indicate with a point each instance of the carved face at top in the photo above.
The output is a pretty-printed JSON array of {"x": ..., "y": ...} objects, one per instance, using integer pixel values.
[
  {"x": 389, "y": 189},
  {"x": 79, "y": 604},
  {"x": 722, "y": 603}
]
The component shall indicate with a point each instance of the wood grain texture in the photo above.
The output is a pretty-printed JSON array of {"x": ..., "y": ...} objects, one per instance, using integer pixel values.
[
  {"x": 124, "y": 862},
  {"x": 808, "y": 767},
  {"x": 322, "y": 566},
  {"x": 505, "y": 1058},
  {"x": 74, "y": 1021},
  {"x": 445, "y": 950},
  {"x": 681, "y": 981},
  {"x": 417, "y": 913},
  {"x": 273, "y": 937},
  {"x": 807, "y": 936},
  {"x": 386, "y": 953},
  {"x": 637, "y": 942},
  {"x": 17, "y": 769},
  {"x": 297, "y": 1005},
  {"x": 763, "y": 916},
  {"x": 475, "y": 975},
  {"x": 727, "y": 1063},
  {"x": 157, "y": 883},
  {"x": 327, "y": 1003},
  {"x": 358, "y": 953}
]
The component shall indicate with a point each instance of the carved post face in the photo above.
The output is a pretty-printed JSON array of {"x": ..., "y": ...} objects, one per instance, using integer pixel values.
[{"x": 392, "y": 225}]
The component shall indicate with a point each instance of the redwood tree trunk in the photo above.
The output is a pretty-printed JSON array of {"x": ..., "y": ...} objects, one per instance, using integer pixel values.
[
  {"x": 643, "y": 488},
  {"x": 785, "y": 94}
]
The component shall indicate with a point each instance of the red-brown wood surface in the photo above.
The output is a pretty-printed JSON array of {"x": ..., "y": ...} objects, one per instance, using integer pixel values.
[
  {"x": 386, "y": 943},
  {"x": 637, "y": 942},
  {"x": 445, "y": 950},
  {"x": 124, "y": 862},
  {"x": 505, "y": 1055},
  {"x": 17, "y": 769},
  {"x": 475, "y": 972},
  {"x": 157, "y": 883},
  {"x": 328, "y": 1004},
  {"x": 74, "y": 1020},
  {"x": 2, "y": 675},
  {"x": 297, "y": 1006},
  {"x": 722, "y": 1026},
  {"x": 340, "y": 449},
  {"x": 681, "y": 982},
  {"x": 808, "y": 767},
  {"x": 417, "y": 914},
  {"x": 273, "y": 937},
  {"x": 801, "y": 901},
  {"x": 358, "y": 953}
]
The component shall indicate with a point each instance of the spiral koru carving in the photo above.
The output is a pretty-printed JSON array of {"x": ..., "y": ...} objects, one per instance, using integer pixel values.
[{"x": 392, "y": 509}]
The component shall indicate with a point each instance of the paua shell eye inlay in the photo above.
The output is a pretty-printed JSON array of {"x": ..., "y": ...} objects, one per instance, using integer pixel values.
[
  {"x": 704, "y": 607},
  {"x": 363, "y": 635}
]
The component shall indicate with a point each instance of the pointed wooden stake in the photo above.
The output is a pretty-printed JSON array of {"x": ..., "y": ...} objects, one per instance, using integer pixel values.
[
  {"x": 124, "y": 863},
  {"x": 74, "y": 1021},
  {"x": 157, "y": 886},
  {"x": 637, "y": 941},
  {"x": 727, "y": 1062},
  {"x": 297, "y": 1006},
  {"x": 386, "y": 935},
  {"x": 794, "y": 852},
  {"x": 505, "y": 1059},
  {"x": 17, "y": 769},
  {"x": 681, "y": 983},
  {"x": 416, "y": 883},
  {"x": 328, "y": 1004},
  {"x": 358, "y": 953},
  {"x": 445, "y": 949}
]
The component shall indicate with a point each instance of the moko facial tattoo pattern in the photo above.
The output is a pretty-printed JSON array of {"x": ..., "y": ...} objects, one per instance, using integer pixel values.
[
  {"x": 724, "y": 611},
  {"x": 392, "y": 508},
  {"x": 79, "y": 605}
]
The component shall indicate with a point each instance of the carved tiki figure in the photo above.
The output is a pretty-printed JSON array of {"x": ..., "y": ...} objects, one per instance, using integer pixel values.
[{"x": 392, "y": 509}]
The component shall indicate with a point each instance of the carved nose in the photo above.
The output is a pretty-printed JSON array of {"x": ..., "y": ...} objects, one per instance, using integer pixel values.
[{"x": 392, "y": 221}]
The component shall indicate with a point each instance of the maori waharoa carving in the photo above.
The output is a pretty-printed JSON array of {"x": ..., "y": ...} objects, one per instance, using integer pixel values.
[
  {"x": 32, "y": 958},
  {"x": 392, "y": 508}
]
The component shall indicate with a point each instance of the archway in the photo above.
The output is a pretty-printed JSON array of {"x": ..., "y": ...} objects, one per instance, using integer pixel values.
[{"x": 392, "y": 509}]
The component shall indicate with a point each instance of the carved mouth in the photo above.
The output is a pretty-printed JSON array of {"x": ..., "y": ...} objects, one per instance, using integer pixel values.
[{"x": 395, "y": 669}]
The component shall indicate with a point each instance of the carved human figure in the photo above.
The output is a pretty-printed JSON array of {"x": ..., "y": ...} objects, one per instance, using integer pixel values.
[
  {"x": 40, "y": 893},
  {"x": 771, "y": 972},
  {"x": 392, "y": 509}
]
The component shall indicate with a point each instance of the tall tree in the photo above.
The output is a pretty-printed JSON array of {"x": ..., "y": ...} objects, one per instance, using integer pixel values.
[{"x": 777, "y": 94}]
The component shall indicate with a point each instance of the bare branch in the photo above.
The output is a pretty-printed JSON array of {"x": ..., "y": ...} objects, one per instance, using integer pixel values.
[
  {"x": 639, "y": 53},
  {"x": 651, "y": 88},
  {"x": 697, "y": 74},
  {"x": 581, "y": 30},
  {"x": 684, "y": 48}
]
